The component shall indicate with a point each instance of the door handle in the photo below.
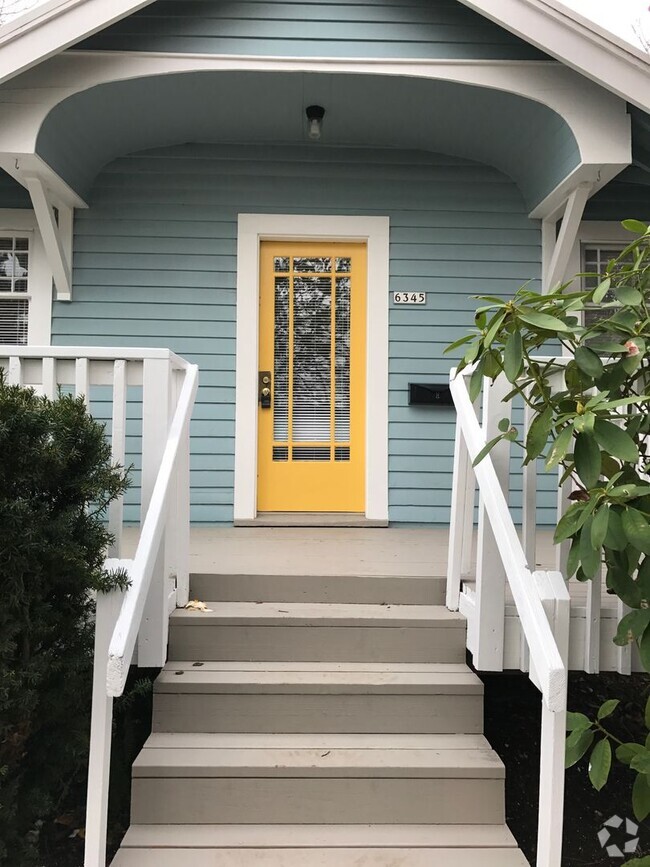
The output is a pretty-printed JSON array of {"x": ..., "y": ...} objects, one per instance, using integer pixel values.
[{"x": 264, "y": 389}]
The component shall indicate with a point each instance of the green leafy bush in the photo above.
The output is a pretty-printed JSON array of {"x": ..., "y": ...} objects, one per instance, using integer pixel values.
[{"x": 56, "y": 482}]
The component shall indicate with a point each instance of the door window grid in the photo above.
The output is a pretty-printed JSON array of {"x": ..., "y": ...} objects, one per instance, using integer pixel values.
[
  {"x": 594, "y": 262},
  {"x": 311, "y": 412}
]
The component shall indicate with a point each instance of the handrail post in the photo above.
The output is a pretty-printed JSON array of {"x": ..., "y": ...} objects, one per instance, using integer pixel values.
[
  {"x": 490, "y": 572},
  {"x": 156, "y": 415},
  {"x": 101, "y": 723}
]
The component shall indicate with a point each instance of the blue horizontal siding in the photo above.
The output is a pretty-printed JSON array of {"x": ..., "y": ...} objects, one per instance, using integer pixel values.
[
  {"x": 155, "y": 264},
  {"x": 346, "y": 28}
]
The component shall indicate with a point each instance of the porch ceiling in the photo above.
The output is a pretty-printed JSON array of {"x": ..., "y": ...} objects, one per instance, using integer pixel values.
[{"x": 524, "y": 139}]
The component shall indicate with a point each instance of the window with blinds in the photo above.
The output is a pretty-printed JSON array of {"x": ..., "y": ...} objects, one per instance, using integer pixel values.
[
  {"x": 14, "y": 276},
  {"x": 594, "y": 262}
]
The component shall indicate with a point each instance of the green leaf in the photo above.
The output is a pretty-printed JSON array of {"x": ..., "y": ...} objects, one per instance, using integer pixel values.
[
  {"x": 460, "y": 342},
  {"x": 615, "y": 538},
  {"x": 599, "y": 527},
  {"x": 629, "y": 492},
  {"x": 577, "y": 745},
  {"x": 571, "y": 521},
  {"x": 635, "y": 226},
  {"x": 620, "y": 582},
  {"x": 641, "y": 797},
  {"x": 513, "y": 356},
  {"x": 600, "y": 764},
  {"x": 644, "y": 861},
  {"x": 560, "y": 447},
  {"x": 626, "y": 752},
  {"x": 589, "y": 556},
  {"x": 644, "y": 649},
  {"x": 573, "y": 560},
  {"x": 472, "y": 352},
  {"x": 641, "y": 762},
  {"x": 643, "y": 580},
  {"x": 589, "y": 362},
  {"x": 495, "y": 323},
  {"x": 607, "y": 708},
  {"x": 487, "y": 448},
  {"x": 504, "y": 425},
  {"x": 647, "y": 713},
  {"x": 538, "y": 434},
  {"x": 615, "y": 440},
  {"x": 601, "y": 290},
  {"x": 628, "y": 295},
  {"x": 587, "y": 459},
  {"x": 543, "y": 321},
  {"x": 476, "y": 380},
  {"x": 577, "y": 721},
  {"x": 632, "y": 626},
  {"x": 636, "y": 529}
]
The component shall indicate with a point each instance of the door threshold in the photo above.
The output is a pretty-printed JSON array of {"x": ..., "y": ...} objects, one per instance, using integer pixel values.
[{"x": 310, "y": 519}]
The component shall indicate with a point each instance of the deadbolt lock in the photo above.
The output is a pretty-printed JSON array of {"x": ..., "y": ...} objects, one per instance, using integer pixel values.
[{"x": 264, "y": 388}]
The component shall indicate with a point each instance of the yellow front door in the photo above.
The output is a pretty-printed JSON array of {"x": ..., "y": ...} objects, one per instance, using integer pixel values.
[{"x": 311, "y": 444}]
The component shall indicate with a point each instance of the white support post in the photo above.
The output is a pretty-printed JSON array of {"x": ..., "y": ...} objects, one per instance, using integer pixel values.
[
  {"x": 82, "y": 380},
  {"x": 118, "y": 452},
  {"x": 183, "y": 519},
  {"x": 567, "y": 235},
  {"x": 460, "y": 535},
  {"x": 107, "y": 611},
  {"x": 156, "y": 387},
  {"x": 52, "y": 237},
  {"x": 562, "y": 550},
  {"x": 49, "y": 377},
  {"x": 551, "y": 788},
  {"x": 592, "y": 633},
  {"x": 490, "y": 572}
]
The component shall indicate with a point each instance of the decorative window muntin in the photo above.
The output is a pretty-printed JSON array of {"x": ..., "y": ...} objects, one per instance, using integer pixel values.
[
  {"x": 14, "y": 285},
  {"x": 595, "y": 258}
]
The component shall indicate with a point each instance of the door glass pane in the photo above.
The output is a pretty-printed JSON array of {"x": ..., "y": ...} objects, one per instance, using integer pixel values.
[
  {"x": 319, "y": 264},
  {"x": 342, "y": 401},
  {"x": 312, "y": 349},
  {"x": 281, "y": 364}
]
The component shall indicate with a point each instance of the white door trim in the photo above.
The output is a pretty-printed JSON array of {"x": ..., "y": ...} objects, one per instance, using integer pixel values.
[{"x": 253, "y": 228}]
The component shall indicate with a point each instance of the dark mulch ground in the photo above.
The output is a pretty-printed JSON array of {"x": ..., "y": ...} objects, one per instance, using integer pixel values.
[{"x": 512, "y": 725}]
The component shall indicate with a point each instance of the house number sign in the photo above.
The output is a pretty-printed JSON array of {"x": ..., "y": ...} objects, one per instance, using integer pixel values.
[{"x": 410, "y": 297}]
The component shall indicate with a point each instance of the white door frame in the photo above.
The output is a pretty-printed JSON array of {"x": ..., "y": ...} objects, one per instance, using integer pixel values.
[{"x": 251, "y": 230}]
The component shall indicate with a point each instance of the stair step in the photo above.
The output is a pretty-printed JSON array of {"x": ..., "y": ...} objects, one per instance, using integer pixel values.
[
  {"x": 317, "y": 836},
  {"x": 201, "y": 740},
  {"x": 411, "y": 590},
  {"x": 343, "y": 857},
  {"x": 219, "y": 760},
  {"x": 317, "y": 631},
  {"x": 264, "y": 697}
]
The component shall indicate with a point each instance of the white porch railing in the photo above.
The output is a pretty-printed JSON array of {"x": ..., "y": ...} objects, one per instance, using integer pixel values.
[
  {"x": 541, "y": 598},
  {"x": 164, "y": 385}
]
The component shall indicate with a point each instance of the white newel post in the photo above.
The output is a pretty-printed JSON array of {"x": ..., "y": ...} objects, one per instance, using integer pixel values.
[
  {"x": 156, "y": 414},
  {"x": 490, "y": 573},
  {"x": 461, "y": 527},
  {"x": 107, "y": 611},
  {"x": 183, "y": 518}
]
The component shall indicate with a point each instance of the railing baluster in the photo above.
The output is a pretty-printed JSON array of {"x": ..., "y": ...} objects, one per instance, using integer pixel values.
[
  {"x": 592, "y": 626},
  {"x": 49, "y": 377},
  {"x": 15, "y": 371},
  {"x": 529, "y": 500},
  {"x": 118, "y": 452},
  {"x": 623, "y": 654},
  {"x": 490, "y": 572},
  {"x": 82, "y": 380},
  {"x": 462, "y": 502},
  {"x": 563, "y": 492}
]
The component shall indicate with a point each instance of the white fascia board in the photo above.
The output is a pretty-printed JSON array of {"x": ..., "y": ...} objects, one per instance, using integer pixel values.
[
  {"x": 53, "y": 27},
  {"x": 589, "y": 50}
]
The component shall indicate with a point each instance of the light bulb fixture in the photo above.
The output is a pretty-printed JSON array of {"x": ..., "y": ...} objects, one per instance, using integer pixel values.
[{"x": 315, "y": 115}]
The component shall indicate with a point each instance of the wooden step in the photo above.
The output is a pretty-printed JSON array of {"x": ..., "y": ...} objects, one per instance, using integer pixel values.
[
  {"x": 318, "y": 697},
  {"x": 319, "y": 836},
  {"x": 370, "y": 589},
  {"x": 358, "y": 857},
  {"x": 319, "y": 632},
  {"x": 272, "y": 784}
]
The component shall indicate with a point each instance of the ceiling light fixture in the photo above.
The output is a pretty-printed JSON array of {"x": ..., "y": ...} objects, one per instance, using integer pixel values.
[{"x": 315, "y": 115}]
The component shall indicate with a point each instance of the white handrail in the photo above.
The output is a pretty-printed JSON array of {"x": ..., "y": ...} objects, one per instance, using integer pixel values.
[
  {"x": 548, "y": 668},
  {"x": 141, "y": 568}
]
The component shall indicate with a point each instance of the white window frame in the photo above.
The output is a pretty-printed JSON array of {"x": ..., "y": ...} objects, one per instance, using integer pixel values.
[
  {"x": 252, "y": 230},
  {"x": 22, "y": 223}
]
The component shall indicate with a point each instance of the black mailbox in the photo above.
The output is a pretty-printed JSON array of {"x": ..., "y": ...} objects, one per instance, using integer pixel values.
[{"x": 429, "y": 394}]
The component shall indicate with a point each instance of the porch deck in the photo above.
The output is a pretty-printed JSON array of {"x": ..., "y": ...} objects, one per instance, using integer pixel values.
[{"x": 413, "y": 552}]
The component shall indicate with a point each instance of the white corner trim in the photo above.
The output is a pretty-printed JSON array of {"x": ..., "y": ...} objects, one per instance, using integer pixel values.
[
  {"x": 39, "y": 282},
  {"x": 253, "y": 228}
]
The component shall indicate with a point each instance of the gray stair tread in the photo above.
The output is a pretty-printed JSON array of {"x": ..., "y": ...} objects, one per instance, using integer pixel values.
[
  {"x": 195, "y": 679},
  {"x": 312, "y": 836},
  {"x": 357, "y": 762},
  {"x": 228, "y": 740},
  {"x": 318, "y": 614},
  {"x": 418, "y": 667},
  {"x": 351, "y": 577},
  {"x": 321, "y": 857}
]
